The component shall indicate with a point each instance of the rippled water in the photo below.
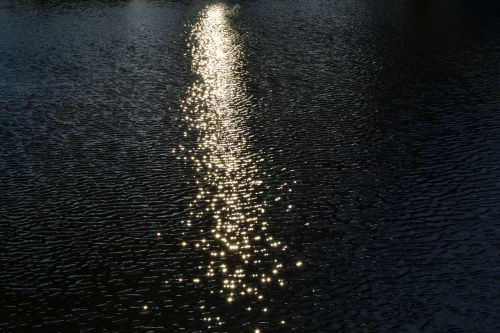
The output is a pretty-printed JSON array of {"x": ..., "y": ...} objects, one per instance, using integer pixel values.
[{"x": 308, "y": 166}]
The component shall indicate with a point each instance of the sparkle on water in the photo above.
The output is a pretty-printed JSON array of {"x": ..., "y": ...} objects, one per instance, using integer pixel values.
[{"x": 244, "y": 257}]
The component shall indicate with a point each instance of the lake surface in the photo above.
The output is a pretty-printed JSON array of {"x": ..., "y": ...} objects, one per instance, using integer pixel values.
[{"x": 250, "y": 166}]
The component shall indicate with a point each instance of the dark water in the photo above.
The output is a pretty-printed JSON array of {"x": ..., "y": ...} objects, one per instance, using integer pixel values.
[{"x": 167, "y": 166}]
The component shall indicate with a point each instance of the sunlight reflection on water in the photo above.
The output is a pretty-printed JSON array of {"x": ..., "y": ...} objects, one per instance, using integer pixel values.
[{"x": 244, "y": 258}]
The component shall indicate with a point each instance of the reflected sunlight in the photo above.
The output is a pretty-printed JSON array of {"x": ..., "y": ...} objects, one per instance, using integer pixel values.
[{"x": 243, "y": 255}]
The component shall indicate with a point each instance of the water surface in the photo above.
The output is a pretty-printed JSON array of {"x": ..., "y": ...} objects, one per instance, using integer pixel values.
[{"x": 307, "y": 166}]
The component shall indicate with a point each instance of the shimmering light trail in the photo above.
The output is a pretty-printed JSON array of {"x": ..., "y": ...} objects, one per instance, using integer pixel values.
[{"x": 230, "y": 203}]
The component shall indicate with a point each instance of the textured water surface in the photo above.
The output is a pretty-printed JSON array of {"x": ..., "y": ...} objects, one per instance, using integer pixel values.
[{"x": 235, "y": 166}]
